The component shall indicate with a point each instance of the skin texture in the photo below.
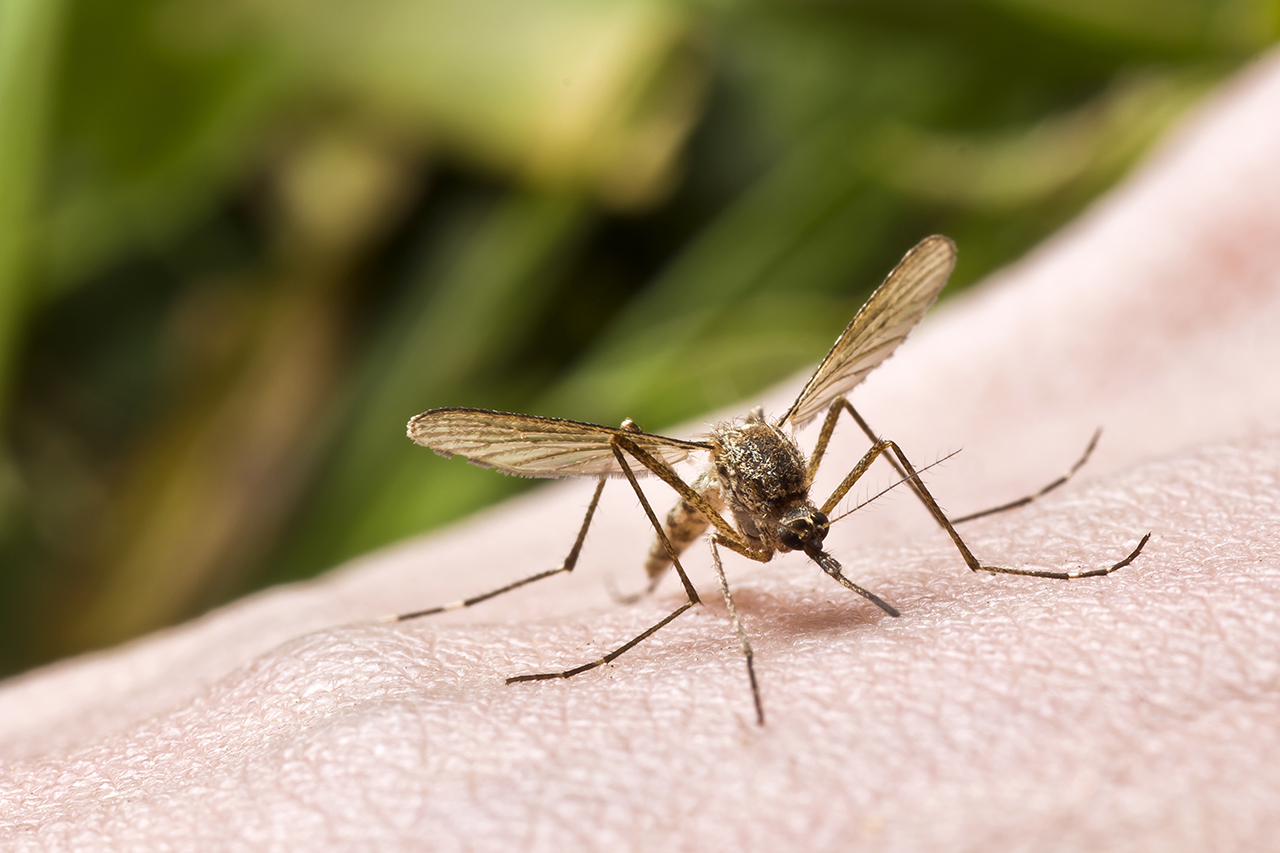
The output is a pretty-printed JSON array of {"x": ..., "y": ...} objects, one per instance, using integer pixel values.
[{"x": 1135, "y": 712}]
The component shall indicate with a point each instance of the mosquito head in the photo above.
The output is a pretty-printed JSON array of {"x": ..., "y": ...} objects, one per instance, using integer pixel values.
[{"x": 803, "y": 528}]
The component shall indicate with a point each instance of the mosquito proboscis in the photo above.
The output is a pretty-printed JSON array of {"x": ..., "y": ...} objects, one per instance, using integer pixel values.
[{"x": 754, "y": 470}]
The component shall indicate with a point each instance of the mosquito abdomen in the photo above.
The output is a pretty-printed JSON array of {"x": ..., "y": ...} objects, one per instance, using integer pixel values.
[
  {"x": 684, "y": 523},
  {"x": 683, "y": 526}
]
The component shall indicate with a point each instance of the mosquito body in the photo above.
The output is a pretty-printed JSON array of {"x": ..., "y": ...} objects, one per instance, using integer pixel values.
[{"x": 755, "y": 471}]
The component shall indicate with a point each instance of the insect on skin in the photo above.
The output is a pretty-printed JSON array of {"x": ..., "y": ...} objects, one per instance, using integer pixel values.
[{"x": 755, "y": 471}]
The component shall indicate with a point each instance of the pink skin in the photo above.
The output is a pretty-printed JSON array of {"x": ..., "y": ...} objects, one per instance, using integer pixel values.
[{"x": 1139, "y": 711}]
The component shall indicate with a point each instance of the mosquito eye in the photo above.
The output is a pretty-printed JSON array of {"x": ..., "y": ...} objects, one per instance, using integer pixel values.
[{"x": 790, "y": 539}]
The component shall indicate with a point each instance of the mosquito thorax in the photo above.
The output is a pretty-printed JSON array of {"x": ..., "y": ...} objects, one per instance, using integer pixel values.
[{"x": 763, "y": 476}]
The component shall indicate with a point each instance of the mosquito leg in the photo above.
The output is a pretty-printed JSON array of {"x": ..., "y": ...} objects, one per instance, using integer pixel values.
[
  {"x": 690, "y": 592},
  {"x": 857, "y": 473},
  {"x": 1084, "y": 457},
  {"x": 840, "y": 403},
  {"x": 824, "y": 560},
  {"x": 829, "y": 427},
  {"x": 738, "y": 546},
  {"x": 609, "y": 658},
  {"x": 567, "y": 566},
  {"x": 882, "y": 446},
  {"x": 653, "y": 519},
  {"x": 743, "y": 642},
  {"x": 683, "y": 489},
  {"x": 684, "y": 525},
  {"x": 968, "y": 555}
]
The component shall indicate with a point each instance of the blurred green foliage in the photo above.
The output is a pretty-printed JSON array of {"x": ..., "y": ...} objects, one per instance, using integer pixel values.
[{"x": 241, "y": 243}]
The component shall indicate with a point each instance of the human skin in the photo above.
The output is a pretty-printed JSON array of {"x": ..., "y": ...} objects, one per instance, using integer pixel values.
[{"x": 1133, "y": 712}]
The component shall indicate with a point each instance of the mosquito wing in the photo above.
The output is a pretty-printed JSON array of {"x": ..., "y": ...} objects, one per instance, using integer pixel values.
[
  {"x": 878, "y": 327},
  {"x": 530, "y": 446}
]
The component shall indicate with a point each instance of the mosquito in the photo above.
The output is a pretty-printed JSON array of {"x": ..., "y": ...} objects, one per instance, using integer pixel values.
[{"x": 754, "y": 487}]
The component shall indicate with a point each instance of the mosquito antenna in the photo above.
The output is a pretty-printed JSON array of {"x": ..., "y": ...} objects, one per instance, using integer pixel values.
[{"x": 891, "y": 487}]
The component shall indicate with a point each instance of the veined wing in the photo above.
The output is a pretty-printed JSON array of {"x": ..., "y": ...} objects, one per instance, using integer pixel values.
[
  {"x": 531, "y": 446},
  {"x": 878, "y": 327}
]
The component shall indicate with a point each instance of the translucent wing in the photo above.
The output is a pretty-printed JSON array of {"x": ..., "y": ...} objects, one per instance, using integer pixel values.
[
  {"x": 878, "y": 327},
  {"x": 536, "y": 447}
]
